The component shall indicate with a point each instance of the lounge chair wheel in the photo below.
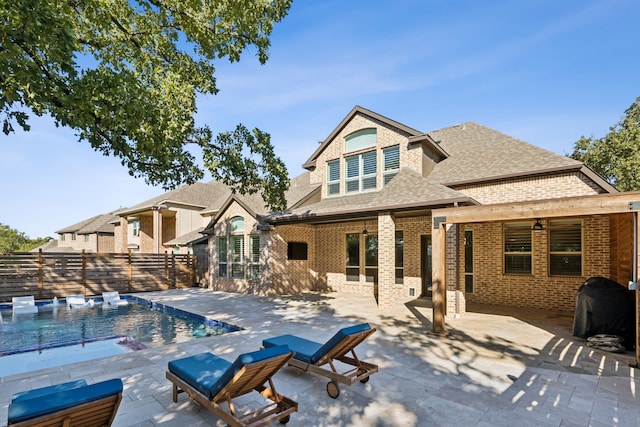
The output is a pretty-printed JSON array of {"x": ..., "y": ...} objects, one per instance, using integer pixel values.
[
  {"x": 285, "y": 420},
  {"x": 332, "y": 390},
  {"x": 364, "y": 380}
]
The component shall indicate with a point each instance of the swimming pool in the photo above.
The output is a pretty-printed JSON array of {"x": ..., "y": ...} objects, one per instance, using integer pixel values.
[{"x": 57, "y": 333}]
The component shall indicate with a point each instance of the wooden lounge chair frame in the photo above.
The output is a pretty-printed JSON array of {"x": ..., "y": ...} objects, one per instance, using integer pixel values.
[
  {"x": 360, "y": 371},
  {"x": 97, "y": 413},
  {"x": 251, "y": 376}
]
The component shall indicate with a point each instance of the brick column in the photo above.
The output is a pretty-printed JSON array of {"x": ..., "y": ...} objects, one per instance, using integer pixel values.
[{"x": 386, "y": 261}]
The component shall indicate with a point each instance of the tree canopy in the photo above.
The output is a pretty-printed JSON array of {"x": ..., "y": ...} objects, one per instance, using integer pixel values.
[
  {"x": 124, "y": 74},
  {"x": 12, "y": 240},
  {"x": 616, "y": 156}
]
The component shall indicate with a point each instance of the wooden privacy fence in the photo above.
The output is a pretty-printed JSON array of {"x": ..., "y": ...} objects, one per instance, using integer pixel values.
[{"x": 48, "y": 275}]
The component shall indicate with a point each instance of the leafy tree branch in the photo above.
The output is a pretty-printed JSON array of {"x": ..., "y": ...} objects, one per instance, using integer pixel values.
[
  {"x": 616, "y": 156},
  {"x": 124, "y": 74}
]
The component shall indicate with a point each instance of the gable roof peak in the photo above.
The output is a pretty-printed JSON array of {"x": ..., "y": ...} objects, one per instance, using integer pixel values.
[{"x": 310, "y": 164}]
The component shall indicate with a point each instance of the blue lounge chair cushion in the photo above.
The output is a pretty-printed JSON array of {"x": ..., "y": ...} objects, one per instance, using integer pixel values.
[
  {"x": 40, "y": 392},
  {"x": 36, "y": 403},
  {"x": 305, "y": 349},
  {"x": 209, "y": 374},
  {"x": 310, "y": 351}
]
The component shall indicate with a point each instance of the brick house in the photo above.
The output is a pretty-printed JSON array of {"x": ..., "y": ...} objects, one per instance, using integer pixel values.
[
  {"x": 96, "y": 234},
  {"x": 170, "y": 221},
  {"x": 383, "y": 210}
]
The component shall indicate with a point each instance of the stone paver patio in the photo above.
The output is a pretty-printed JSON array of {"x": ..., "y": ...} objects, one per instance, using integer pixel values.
[{"x": 496, "y": 367}]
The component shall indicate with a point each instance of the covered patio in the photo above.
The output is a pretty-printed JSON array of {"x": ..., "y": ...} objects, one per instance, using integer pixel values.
[{"x": 621, "y": 210}]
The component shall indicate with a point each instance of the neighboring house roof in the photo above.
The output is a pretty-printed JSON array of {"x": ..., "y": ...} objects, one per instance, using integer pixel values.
[
  {"x": 52, "y": 246},
  {"x": 185, "y": 239},
  {"x": 198, "y": 194},
  {"x": 102, "y": 223},
  {"x": 300, "y": 189},
  {"x": 408, "y": 190}
]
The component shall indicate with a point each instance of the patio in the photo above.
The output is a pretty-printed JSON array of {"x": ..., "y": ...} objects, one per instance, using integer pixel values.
[{"x": 496, "y": 365}]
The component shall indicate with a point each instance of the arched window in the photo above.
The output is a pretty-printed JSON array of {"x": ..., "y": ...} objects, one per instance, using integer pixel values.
[
  {"x": 237, "y": 224},
  {"x": 360, "y": 140}
]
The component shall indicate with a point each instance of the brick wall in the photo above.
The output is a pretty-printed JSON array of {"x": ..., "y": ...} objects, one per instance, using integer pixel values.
[
  {"x": 146, "y": 234},
  {"x": 535, "y": 188},
  {"x": 538, "y": 290},
  {"x": 293, "y": 276}
]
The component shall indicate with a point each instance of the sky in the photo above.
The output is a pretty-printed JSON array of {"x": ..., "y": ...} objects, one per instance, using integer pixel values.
[{"x": 546, "y": 72}]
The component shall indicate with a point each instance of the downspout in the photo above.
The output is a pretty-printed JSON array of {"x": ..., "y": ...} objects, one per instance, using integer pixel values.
[{"x": 457, "y": 298}]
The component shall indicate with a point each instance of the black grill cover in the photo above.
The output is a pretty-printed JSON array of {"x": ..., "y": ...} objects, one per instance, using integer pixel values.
[{"x": 603, "y": 306}]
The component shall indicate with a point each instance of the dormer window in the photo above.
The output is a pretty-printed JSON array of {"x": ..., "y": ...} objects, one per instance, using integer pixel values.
[
  {"x": 391, "y": 159},
  {"x": 333, "y": 178},
  {"x": 361, "y": 172}
]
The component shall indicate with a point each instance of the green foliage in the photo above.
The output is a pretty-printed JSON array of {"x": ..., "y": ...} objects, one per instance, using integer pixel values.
[
  {"x": 125, "y": 75},
  {"x": 616, "y": 156},
  {"x": 12, "y": 240},
  {"x": 251, "y": 155}
]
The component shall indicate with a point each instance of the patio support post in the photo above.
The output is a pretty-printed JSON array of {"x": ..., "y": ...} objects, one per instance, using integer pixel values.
[
  {"x": 438, "y": 274},
  {"x": 387, "y": 292},
  {"x": 636, "y": 278}
]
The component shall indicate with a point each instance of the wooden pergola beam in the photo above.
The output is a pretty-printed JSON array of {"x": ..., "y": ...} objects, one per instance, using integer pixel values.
[{"x": 601, "y": 204}]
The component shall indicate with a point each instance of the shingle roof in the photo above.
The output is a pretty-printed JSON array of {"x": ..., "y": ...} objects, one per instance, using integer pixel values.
[
  {"x": 478, "y": 153},
  {"x": 196, "y": 194},
  {"x": 408, "y": 189},
  {"x": 52, "y": 246},
  {"x": 185, "y": 238},
  {"x": 102, "y": 223}
]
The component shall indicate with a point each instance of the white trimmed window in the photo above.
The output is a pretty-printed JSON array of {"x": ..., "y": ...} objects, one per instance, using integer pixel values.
[
  {"x": 222, "y": 257},
  {"x": 333, "y": 178},
  {"x": 237, "y": 257},
  {"x": 254, "y": 257},
  {"x": 391, "y": 166},
  {"x": 361, "y": 172},
  {"x": 135, "y": 227}
]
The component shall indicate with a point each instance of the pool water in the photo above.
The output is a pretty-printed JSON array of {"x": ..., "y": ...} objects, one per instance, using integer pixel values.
[{"x": 57, "y": 335}]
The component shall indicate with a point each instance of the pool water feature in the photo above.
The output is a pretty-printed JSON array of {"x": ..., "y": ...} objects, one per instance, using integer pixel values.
[{"x": 57, "y": 335}]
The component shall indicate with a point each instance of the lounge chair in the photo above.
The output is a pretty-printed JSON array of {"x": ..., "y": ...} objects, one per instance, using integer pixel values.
[
  {"x": 112, "y": 299},
  {"x": 78, "y": 301},
  {"x": 210, "y": 380},
  {"x": 69, "y": 404},
  {"x": 311, "y": 356},
  {"x": 24, "y": 305}
]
